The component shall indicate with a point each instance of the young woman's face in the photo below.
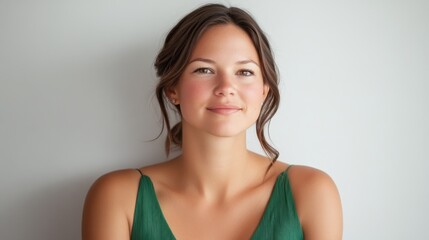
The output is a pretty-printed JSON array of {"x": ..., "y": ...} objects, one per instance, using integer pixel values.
[{"x": 221, "y": 90}]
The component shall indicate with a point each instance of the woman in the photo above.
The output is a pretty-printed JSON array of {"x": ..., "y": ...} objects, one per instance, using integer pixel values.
[{"x": 217, "y": 70}]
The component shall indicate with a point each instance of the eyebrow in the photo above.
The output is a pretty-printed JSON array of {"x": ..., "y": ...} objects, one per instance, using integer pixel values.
[{"x": 213, "y": 62}]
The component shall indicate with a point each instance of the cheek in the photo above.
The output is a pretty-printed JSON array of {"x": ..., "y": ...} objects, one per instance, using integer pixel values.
[
  {"x": 254, "y": 95},
  {"x": 191, "y": 92}
]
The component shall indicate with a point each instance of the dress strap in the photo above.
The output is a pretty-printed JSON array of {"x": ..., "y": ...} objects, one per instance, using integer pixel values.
[
  {"x": 149, "y": 221},
  {"x": 287, "y": 169},
  {"x": 139, "y": 171}
]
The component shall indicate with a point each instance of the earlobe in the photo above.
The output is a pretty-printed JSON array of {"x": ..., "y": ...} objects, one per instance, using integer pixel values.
[
  {"x": 265, "y": 91},
  {"x": 172, "y": 95}
]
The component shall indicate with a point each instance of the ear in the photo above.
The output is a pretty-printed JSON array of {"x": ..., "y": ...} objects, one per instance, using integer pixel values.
[
  {"x": 266, "y": 90},
  {"x": 172, "y": 95}
]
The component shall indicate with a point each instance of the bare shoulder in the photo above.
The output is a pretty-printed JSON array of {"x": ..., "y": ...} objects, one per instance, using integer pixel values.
[
  {"x": 109, "y": 206},
  {"x": 161, "y": 173},
  {"x": 308, "y": 178},
  {"x": 317, "y": 202},
  {"x": 116, "y": 180}
]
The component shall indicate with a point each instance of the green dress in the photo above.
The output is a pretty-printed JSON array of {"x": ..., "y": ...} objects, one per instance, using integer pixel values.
[{"x": 279, "y": 220}]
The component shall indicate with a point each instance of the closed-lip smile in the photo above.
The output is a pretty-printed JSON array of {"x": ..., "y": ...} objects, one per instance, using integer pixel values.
[{"x": 224, "y": 109}]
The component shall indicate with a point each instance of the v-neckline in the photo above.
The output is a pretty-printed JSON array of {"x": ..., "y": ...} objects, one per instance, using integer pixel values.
[{"x": 158, "y": 205}]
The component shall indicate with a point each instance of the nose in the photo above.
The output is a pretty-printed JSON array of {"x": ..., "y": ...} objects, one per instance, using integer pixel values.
[{"x": 225, "y": 86}]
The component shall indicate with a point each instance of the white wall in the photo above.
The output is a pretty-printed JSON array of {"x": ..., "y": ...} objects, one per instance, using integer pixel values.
[{"x": 76, "y": 101}]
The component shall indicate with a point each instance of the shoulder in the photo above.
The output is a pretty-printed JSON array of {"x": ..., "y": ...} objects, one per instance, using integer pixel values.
[
  {"x": 317, "y": 202},
  {"x": 114, "y": 184},
  {"x": 162, "y": 173},
  {"x": 308, "y": 182},
  {"x": 109, "y": 205}
]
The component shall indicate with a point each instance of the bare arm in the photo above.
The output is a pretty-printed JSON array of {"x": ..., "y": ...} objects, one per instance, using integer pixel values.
[
  {"x": 109, "y": 207},
  {"x": 318, "y": 204}
]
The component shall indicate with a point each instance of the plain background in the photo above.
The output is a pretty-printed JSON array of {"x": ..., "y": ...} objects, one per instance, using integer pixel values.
[{"x": 77, "y": 101}]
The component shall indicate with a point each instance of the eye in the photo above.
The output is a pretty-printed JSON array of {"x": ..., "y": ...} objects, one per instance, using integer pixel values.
[
  {"x": 245, "y": 72},
  {"x": 204, "y": 71}
]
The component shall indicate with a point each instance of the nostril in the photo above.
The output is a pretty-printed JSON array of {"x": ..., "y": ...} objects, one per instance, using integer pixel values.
[
  {"x": 225, "y": 89},
  {"x": 224, "y": 92}
]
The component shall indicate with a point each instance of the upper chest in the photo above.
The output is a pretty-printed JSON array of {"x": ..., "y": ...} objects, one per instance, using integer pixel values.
[
  {"x": 237, "y": 219},
  {"x": 269, "y": 215},
  {"x": 188, "y": 217}
]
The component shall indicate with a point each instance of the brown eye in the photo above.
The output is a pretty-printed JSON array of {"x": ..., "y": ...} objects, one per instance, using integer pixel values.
[
  {"x": 204, "y": 71},
  {"x": 246, "y": 73}
]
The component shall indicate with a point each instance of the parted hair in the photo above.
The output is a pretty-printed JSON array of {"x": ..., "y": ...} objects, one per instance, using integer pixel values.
[{"x": 176, "y": 51}]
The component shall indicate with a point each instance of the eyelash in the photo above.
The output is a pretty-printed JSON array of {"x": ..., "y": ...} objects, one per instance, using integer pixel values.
[
  {"x": 249, "y": 72},
  {"x": 203, "y": 70},
  {"x": 243, "y": 72}
]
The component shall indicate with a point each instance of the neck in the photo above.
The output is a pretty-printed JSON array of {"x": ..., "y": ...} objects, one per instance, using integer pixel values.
[{"x": 217, "y": 167}]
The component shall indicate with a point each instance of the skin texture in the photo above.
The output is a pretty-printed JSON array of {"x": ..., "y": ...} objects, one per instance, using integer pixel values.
[{"x": 216, "y": 181}]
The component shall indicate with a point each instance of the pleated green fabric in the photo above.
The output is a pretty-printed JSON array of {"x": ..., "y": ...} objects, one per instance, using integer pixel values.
[
  {"x": 279, "y": 221},
  {"x": 149, "y": 222}
]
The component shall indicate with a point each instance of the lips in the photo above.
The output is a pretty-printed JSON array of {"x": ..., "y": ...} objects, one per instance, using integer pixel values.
[{"x": 224, "y": 109}]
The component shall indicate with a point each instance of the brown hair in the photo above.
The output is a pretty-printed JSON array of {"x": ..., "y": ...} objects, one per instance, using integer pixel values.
[{"x": 178, "y": 46}]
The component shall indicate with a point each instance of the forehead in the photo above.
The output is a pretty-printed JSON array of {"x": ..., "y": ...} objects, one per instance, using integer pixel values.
[{"x": 225, "y": 41}]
